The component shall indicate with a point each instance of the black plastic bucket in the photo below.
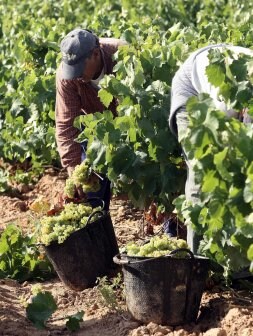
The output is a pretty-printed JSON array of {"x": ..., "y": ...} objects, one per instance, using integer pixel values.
[
  {"x": 86, "y": 254},
  {"x": 164, "y": 290}
]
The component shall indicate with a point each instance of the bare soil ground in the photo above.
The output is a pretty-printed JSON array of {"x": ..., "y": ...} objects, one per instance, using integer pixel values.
[{"x": 221, "y": 312}]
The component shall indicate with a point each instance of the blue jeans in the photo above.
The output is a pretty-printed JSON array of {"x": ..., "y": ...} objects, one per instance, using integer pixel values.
[{"x": 104, "y": 192}]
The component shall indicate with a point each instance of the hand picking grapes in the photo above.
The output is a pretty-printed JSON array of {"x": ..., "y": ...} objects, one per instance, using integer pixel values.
[{"x": 81, "y": 182}]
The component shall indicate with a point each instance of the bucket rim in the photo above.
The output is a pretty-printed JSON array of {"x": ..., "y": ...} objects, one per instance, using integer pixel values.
[{"x": 123, "y": 258}]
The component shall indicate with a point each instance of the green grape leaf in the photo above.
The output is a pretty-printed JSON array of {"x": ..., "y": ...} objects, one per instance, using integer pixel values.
[
  {"x": 105, "y": 97},
  {"x": 244, "y": 94},
  {"x": 73, "y": 322},
  {"x": 239, "y": 69},
  {"x": 248, "y": 193},
  {"x": 210, "y": 181},
  {"x": 118, "y": 88},
  {"x": 220, "y": 162},
  {"x": 4, "y": 246},
  {"x": 215, "y": 74},
  {"x": 226, "y": 90},
  {"x": 42, "y": 307},
  {"x": 129, "y": 35}
]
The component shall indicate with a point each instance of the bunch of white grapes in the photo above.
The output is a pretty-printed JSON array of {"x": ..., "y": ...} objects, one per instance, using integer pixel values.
[
  {"x": 72, "y": 218},
  {"x": 157, "y": 246},
  {"x": 83, "y": 177}
]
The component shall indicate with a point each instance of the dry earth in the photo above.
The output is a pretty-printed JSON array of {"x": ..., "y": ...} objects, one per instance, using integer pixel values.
[{"x": 221, "y": 312}]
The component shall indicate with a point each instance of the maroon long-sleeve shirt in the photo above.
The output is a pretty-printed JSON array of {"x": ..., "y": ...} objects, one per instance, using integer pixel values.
[{"x": 73, "y": 96}]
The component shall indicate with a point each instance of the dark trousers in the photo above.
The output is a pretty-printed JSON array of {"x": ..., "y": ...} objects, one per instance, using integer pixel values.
[{"x": 104, "y": 192}]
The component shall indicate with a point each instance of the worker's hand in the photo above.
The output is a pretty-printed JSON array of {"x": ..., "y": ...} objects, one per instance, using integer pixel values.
[{"x": 79, "y": 193}]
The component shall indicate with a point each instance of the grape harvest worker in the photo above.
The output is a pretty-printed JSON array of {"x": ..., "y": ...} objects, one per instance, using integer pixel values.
[
  {"x": 85, "y": 60},
  {"x": 190, "y": 80}
]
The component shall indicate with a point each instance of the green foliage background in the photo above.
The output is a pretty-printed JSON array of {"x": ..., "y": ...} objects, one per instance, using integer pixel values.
[
  {"x": 136, "y": 149},
  {"x": 30, "y": 32}
]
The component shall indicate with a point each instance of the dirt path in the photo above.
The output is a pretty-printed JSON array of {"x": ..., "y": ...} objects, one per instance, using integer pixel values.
[{"x": 221, "y": 313}]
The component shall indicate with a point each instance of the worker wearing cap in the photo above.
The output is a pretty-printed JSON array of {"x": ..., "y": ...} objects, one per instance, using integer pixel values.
[{"x": 85, "y": 60}]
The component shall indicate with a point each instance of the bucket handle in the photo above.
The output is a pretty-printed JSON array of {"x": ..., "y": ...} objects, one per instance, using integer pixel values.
[
  {"x": 94, "y": 213},
  {"x": 96, "y": 199},
  {"x": 88, "y": 221},
  {"x": 117, "y": 259},
  {"x": 182, "y": 250},
  {"x": 90, "y": 216}
]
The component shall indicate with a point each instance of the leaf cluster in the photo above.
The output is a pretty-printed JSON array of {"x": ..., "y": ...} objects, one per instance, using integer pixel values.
[
  {"x": 20, "y": 258},
  {"x": 111, "y": 290},
  {"x": 221, "y": 148},
  {"x": 136, "y": 149},
  {"x": 41, "y": 308}
]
